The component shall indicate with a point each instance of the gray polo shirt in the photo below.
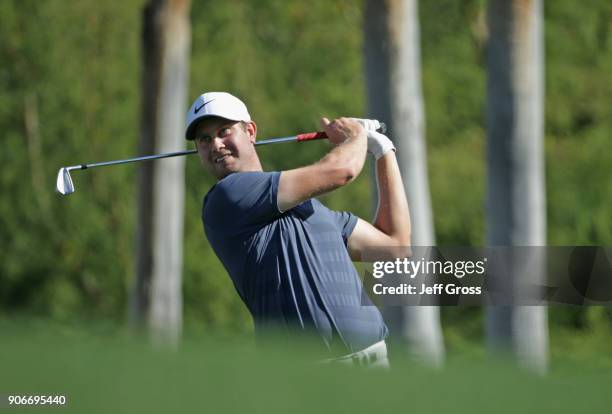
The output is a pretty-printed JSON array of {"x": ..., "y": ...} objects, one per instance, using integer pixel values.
[{"x": 291, "y": 269}]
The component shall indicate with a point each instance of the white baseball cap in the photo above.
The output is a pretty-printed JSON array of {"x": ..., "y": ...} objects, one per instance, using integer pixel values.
[{"x": 221, "y": 104}]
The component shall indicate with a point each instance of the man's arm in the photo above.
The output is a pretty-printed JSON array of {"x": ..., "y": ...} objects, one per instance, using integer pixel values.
[
  {"x": 339, "y": 167},
  {"x": 391, "y": 227}
]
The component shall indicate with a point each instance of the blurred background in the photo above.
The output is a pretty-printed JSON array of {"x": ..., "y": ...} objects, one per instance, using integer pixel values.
[{"x": 73, "y": 88}]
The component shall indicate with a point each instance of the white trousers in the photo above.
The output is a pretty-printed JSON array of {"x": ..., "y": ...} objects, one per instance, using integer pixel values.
[{"x": 374, "y": 356}]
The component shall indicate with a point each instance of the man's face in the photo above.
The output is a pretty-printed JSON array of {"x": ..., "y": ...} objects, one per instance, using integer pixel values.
[{"x": 226, "y": 146}]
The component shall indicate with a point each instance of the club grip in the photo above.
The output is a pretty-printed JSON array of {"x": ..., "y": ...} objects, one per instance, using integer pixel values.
[{"x": 309, "y": 136}]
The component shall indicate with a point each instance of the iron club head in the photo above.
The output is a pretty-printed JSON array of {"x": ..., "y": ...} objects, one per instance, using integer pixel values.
[{"x": 64, "y": 184}]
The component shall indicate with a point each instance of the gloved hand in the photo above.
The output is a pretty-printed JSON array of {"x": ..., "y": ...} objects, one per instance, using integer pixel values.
[
  {"x": 368, "y": 124},
  {"x": 378, "y": 144}
]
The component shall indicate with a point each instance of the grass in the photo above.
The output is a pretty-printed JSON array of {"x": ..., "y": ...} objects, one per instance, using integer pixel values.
[{"x": 102, "y": 368}]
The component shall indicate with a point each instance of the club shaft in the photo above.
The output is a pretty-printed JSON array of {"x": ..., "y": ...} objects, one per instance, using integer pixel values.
[
  {"x": 276, "y": 140},
  {"x": 168, "y": 155},
  {"x": 145, "y": 158}
]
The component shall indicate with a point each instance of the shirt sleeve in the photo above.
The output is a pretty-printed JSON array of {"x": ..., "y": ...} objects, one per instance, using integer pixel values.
[
  {"x": 242, "y": 200},
  {"x": 346, "y": 223}
]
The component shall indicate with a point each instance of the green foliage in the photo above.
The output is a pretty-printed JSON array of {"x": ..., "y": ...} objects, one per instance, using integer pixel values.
[
  {"x": 67, "y": 256},
  {"x": 76, "y": 64},
  {"x": 578, "y": 123},
  {"x": 100, "y": 369},
  {"x": 454, "y": 93}
]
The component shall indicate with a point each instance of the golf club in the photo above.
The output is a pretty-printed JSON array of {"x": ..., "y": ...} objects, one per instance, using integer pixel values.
[{"x": 65, "y": 185}]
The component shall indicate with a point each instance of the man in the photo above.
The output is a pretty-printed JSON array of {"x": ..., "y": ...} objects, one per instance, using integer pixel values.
[{"x": 288, "y": 256}]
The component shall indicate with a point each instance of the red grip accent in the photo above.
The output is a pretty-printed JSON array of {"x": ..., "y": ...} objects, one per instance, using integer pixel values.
[{"x": 311, "y": 135}]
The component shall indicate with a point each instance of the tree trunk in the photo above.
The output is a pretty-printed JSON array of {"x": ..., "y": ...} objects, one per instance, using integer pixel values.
[
  {"x": 393, "y": 71},
  {"x": 516, "y": 205},
  {"x": 157, "y": 297}
]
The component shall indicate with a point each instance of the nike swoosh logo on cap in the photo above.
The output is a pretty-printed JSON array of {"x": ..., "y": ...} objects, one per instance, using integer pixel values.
[{"x": 196, "y": 110}]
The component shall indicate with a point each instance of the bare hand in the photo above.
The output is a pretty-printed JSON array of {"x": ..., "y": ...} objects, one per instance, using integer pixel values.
[{"x": 342, "y": 129}]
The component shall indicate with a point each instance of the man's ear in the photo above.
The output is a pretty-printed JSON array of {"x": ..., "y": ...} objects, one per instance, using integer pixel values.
[{"x": 251, "y": 128}]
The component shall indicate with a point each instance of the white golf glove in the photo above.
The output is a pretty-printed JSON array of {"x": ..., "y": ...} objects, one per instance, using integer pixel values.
[{"x": 378, "y": 144}]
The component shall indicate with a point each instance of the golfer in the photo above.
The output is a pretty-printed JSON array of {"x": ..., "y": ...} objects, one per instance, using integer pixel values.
[{"x": 290, "y": 257}]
